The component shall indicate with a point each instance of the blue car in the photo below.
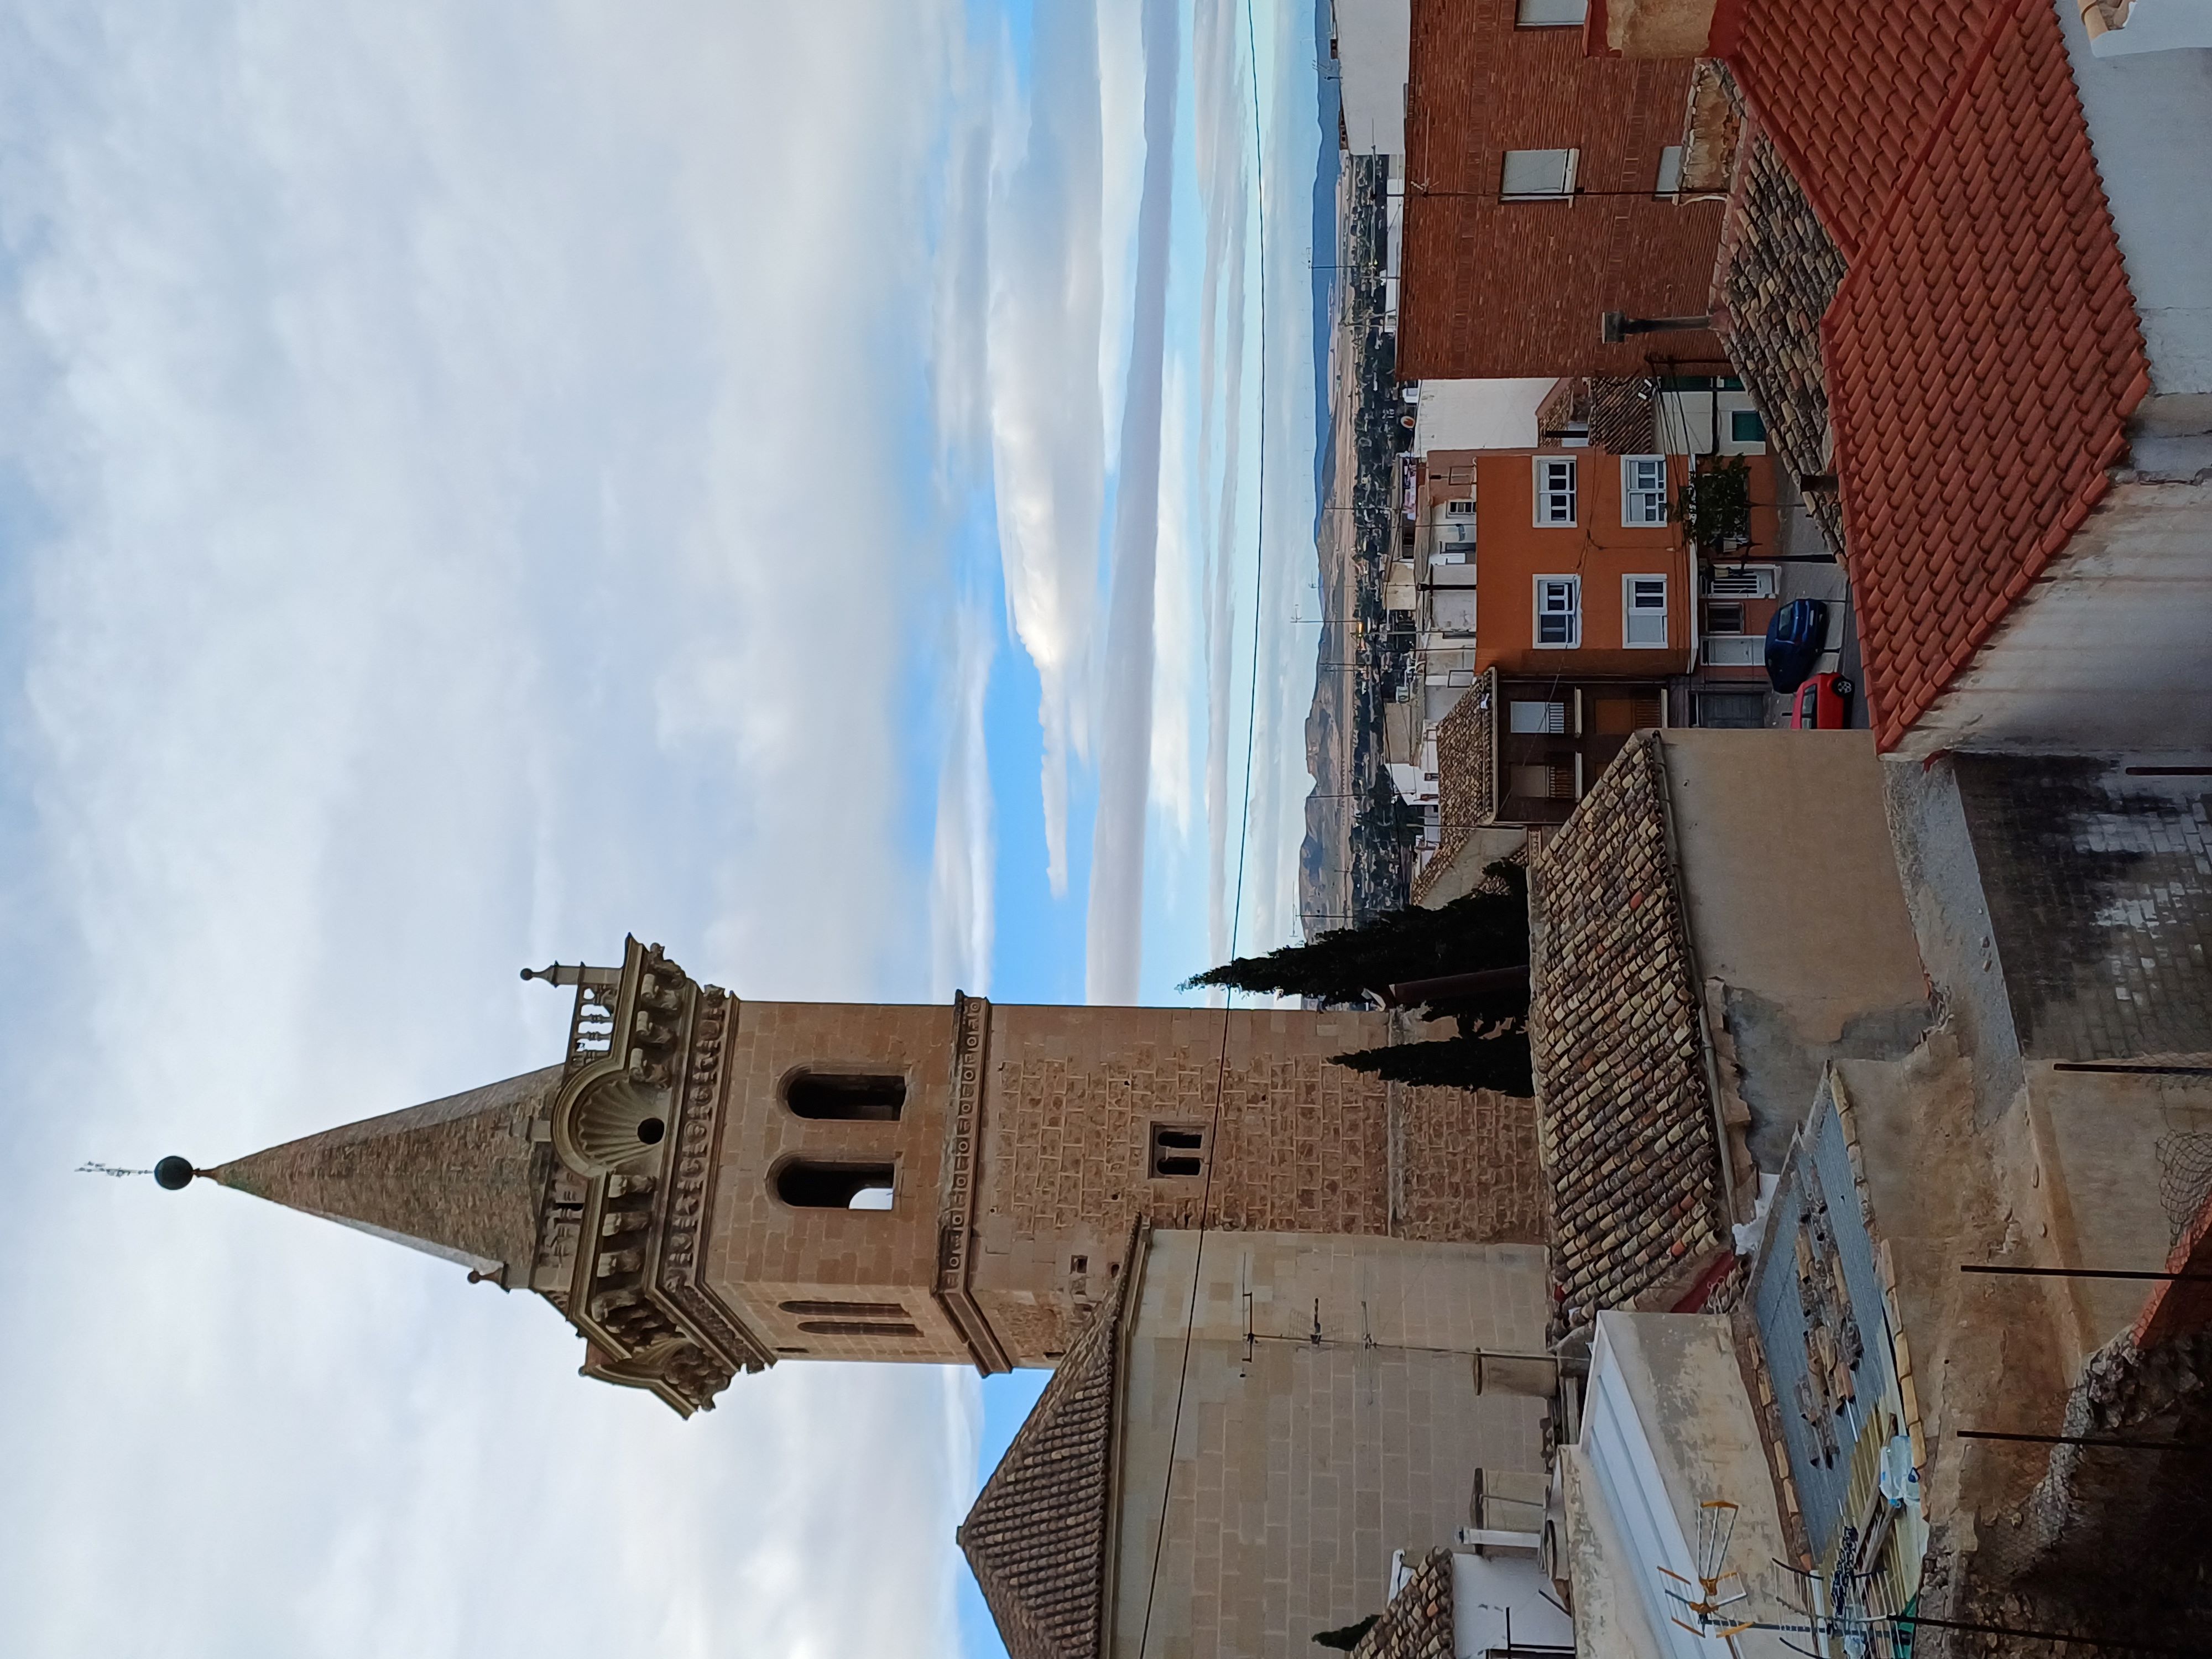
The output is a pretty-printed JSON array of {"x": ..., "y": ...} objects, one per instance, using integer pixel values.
[{"x": 1795, "y": 640}]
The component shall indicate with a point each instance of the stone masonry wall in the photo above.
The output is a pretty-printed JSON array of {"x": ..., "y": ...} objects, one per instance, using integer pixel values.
[
  {"x": 1470, "y": 1169},
  {"x": 1300, "y": 1146}
]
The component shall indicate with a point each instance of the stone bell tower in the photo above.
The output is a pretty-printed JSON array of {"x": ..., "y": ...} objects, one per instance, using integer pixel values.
[{"x": 703, "y": 1186}]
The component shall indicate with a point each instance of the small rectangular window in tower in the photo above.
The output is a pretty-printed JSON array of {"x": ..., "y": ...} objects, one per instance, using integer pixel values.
[{"x": 1178, "y": 1151}]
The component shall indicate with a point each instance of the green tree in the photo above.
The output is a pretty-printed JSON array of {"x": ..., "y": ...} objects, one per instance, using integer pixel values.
[
  {"x": 1500, "y": 1060},
  {"x": 1347, "y": 1639},
  {"x": 1487, "y": 929},
  {"x": 1477, "y": 941}
]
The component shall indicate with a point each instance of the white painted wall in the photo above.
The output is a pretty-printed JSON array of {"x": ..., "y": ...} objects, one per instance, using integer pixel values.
[
  {"x": 2150, "y": 126},
  {"x": 1374, "y": 40},
  {"x": 2109, "y": 651},
  {"x": 1477, "y": 415}
]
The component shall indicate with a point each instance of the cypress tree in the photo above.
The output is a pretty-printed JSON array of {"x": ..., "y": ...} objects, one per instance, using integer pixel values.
[
  {"x": 1500, "y": 1062},
  {"x": 1347, "y": 1639},
  {"x": 1485, "y": 929}
]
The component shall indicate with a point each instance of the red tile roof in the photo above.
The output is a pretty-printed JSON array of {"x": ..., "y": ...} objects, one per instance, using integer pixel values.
[{"x": 1984, "y": 353}]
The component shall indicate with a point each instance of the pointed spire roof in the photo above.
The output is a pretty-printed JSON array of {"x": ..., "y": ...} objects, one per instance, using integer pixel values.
[
  {"x": 459, "y": 1177},
  {"x": 1037, "y": 1536}
]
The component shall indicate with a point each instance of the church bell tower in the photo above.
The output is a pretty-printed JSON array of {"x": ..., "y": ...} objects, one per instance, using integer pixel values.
[{"x": 704, "y": 1186}]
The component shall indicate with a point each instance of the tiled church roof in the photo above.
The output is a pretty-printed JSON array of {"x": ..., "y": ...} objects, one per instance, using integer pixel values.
[
  {"x": 1983, "y": 355},
  {"x": 1624, "y": 1120},
  {"x": 1037, "y": 1536},
  {"x": 458, "y": 1177}
]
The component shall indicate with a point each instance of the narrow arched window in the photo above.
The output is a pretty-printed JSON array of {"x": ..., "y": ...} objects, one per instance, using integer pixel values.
[
  {"x": 857, "y": 1328},
  {"x": 806, "y": 1184},
  {"x": 851, "y": 1097}
]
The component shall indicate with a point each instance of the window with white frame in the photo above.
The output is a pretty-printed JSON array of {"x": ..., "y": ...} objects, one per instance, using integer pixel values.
[
  {"x": 1538, "y": 175},
  {"x": 1460, "y": 509},
  {"x": 1539, "y": 718},
  {"x": 1550, "y": 14},
  {"x": 1670, "y": 171},
  {"x": 1555, "y": 489},
  {"x": 1644, "y": 612},
  {"x": 1643, "y": 490},
  {"x": 1559, "y": 611}
]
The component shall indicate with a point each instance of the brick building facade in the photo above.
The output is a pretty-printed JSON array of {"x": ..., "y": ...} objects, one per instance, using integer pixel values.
[{"x": 1499, "y": 284}]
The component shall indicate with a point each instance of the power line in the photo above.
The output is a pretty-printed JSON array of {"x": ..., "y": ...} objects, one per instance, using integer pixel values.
[{"x": 1243, "y": 829}]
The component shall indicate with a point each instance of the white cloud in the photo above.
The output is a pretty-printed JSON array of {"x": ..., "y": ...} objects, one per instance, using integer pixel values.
[
  {"x": 453, "y": 461},
  {"x": 1047, "y": 422},
  {"x": 963, "y": 862},
  {"x": 1114, "y": 937}
]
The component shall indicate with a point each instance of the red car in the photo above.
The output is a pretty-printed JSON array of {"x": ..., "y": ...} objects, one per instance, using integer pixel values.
[{"x": 1822, "y": 703}]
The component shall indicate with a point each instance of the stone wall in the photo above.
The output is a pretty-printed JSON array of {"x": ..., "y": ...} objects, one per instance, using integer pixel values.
[{"x": 1300, "y": 1464}]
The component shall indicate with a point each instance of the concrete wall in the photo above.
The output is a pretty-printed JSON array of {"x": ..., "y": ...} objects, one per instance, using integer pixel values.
[
  {"x": 1795, "y": 909},
  {"x": 2150, "y": 127},
  {"x": 2111, "y": 1150},
  {"x": 1667, "y": 1427},
  {"x": 1299, "y": 1467},
  {"x": 1372, "y": 38},
  {"x": 2107, "y": 650},
  {"x": 1468, "y": 414}
]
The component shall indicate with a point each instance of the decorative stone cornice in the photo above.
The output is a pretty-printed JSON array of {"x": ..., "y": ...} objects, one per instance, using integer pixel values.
[
  {"x": 626, "y": 1220},
  {"x": 956, "y": 1215}
]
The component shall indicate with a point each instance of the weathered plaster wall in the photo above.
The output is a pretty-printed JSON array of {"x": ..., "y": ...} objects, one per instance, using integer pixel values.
[
  {"x": 2097, "y": 879},
  {"x": 2106, "y": 650},
  {"x": 2150, "y": 127},
  {"x": 1793, "y": 907},
  {"x": 1300, "y": 1466}
]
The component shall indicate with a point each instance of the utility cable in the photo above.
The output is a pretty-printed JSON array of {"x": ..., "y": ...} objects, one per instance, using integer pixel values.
[{"x": 1243, "y": 837}]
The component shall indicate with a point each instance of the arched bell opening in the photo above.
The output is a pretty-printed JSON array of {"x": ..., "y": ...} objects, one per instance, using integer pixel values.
[
  {"x": 837, "y": 1095},
  {"x": 814, "y": 1184}
]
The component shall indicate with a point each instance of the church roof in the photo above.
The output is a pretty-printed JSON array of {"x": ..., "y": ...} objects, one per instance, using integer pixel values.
[
  {"x": 1037, "y": 1537},
  {"x": 458, "y": 1178}
]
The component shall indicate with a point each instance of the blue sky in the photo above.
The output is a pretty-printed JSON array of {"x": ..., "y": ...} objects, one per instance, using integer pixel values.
[{"x": 477, "y": 481}]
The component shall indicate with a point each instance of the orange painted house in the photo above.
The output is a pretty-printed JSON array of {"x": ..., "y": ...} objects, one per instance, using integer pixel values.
[{"x": 1581, "y": 570}]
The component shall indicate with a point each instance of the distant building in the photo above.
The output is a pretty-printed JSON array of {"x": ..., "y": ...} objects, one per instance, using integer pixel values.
[{"x": 1540, "y": 194}]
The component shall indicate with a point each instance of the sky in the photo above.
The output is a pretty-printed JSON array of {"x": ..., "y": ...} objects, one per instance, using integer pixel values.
[{"x": 825, "y": 488}]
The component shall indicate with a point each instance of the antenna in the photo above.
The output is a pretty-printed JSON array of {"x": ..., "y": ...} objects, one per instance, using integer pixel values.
[{"x": 1715, "y": 1528}]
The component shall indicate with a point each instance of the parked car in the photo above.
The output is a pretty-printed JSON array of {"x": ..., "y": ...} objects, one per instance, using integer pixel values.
[
  {"x": 1822, "y": 703},
  {"x": 1795, "y": 640}
]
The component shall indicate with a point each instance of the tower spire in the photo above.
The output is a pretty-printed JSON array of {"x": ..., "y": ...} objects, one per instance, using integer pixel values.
[{"x": 463, "y": 1178}]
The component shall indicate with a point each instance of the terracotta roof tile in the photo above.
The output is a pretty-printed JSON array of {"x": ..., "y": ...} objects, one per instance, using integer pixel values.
[
  {"x": 1037, "y": 1536},
  {"x": 1625, "y": 1120},
  {"x": 1984, "y": 346}
]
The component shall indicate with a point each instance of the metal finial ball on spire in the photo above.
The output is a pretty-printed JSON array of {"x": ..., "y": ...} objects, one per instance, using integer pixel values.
[{"x": 173, "y": 1173}]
